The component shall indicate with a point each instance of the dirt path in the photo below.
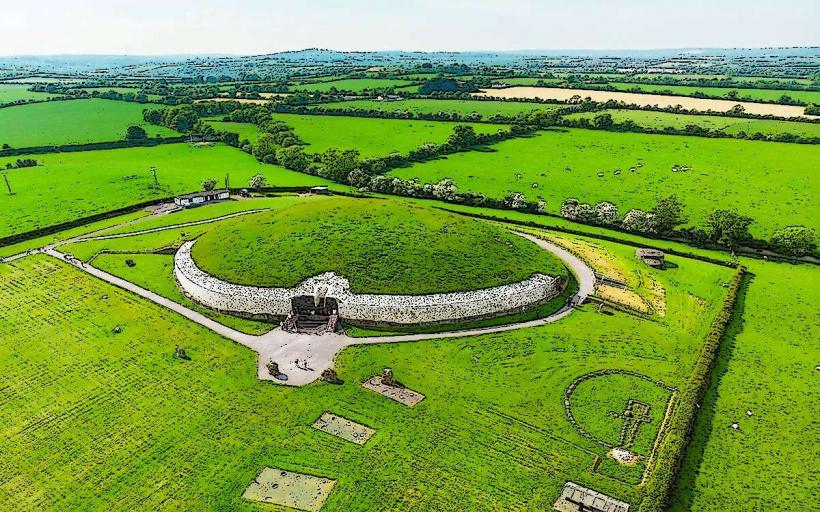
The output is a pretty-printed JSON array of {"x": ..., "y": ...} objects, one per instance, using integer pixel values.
[{"x": 316, "y": 353}]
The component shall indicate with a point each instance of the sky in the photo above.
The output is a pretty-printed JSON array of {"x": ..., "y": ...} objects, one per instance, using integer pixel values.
[{"x": 163, "y": 27}]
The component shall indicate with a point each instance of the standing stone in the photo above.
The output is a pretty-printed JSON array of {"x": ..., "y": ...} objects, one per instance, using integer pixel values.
[{"x": 273, "y": 368}]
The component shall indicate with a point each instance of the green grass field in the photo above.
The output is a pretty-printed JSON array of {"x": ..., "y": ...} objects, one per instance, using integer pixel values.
[
  {"x": 351, "y": 84},
  {"x": 68, "y": 186},
  {"x": 767, "y": 95},
  {"x": 464, "y": 107},
  {"x": 146, "y": 430},
  {"x": 372, "y": 137},
  {"x": 772, "y": 182},
  {"x": 10, "y": 93},
  {"x": 248, "y": 131},
  {"x": 767, "y": 366},
  {"x": 380, "y": 246},
  {"x": 660, "y": 120},
  {"x": 73, "y": 122}
]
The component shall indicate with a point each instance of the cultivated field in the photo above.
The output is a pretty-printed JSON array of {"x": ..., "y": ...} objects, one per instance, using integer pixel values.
[
  {"x": 770, "y": 181},
  {"x": 67, "y": 186},
  {"x": 771, "y": 95},
  {"x": 660, "y": 100},
  {"x": 73, "y": 122}
]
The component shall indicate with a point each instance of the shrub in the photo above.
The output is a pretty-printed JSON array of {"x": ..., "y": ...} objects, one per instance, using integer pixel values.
[{"x": 794, "y": 241}]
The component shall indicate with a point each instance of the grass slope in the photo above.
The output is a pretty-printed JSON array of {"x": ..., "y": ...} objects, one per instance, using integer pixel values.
[
  {"x": 772, "y": 182},
  {"x": 372, "y": 137},
  {"x": 381, "y": 247},
  {"x": 73, "y": 122},
  {"x": 68, "y": 186}
]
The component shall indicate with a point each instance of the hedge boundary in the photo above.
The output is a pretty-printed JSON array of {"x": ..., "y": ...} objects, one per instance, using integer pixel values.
[
  {"x": 676, "y": 438},
  {"x": 92, "y": 146}
]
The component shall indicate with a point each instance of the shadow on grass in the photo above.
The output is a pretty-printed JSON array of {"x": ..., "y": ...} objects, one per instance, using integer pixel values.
[{"x": 683, "y": 492}]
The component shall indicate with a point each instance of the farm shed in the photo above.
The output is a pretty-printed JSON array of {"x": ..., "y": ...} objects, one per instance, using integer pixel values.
[{"x": 198, "y": 198}]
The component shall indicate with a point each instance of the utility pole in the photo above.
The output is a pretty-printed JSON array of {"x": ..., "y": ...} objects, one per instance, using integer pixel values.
[
  {"x": 6, "y": 177},
  {"x": 227, "y": 182},
  {"x": 153, "y": 171}
]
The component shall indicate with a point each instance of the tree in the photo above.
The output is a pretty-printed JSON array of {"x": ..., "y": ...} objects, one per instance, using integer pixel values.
[
  {"x": 338, "y": 164},
  {"x": 257, "y": 181},
  {"x": 667, "y": 214},
  {"x": 135, "y": 133},
  {"x": 638, "y": 221},
  {"x": 728, "y": 228},
  {"x": 603, "y": 121},
  {"x": 209, "y": 184},
  {"x": 569, "y": 208},
  {"x": 515, "y": 201},
  {"x": 463, "y": 136},
  {"x": 794, "y": 241},
  {"x": 606, "y": 213},
  {"x": 293, "y": 158},
  {"x": 265, "y": 146}
]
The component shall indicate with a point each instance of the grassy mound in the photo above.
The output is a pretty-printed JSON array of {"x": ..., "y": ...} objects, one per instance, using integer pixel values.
[{"x": 381, "y": 247}]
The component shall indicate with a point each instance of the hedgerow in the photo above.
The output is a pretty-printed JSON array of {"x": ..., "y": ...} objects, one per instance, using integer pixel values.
[{"x": 678, "y": 433}]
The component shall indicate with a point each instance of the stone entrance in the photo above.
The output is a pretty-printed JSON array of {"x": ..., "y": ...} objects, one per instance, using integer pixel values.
[{"x": 313, "y": 314}]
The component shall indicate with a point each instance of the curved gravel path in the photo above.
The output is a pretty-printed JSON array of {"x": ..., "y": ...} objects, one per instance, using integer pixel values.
[{"x": 316, "y": 353}]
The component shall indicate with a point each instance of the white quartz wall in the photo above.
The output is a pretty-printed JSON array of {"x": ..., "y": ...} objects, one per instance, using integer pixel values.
[{"x": 394, "y": 309}]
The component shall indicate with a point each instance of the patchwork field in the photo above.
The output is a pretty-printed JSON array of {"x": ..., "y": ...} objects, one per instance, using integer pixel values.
[
  {"x": 73, "y": 122},
  {"x": 351, "y": 84},
  {"x": 372, "y": 137},
  {"x": 11, "y": 93},
  {"x": 464, "y": 107},
  {"x": 769, "y": 181},
  {"x": 660, "y": 120},
  {"x": 380, "y": 246},
  {"x": 68, "y": 186},
  {"x": 176, "y": 433}
]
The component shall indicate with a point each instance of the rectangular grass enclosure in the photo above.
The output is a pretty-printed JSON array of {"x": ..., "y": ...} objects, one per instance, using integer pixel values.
[
  {"x": 289, "y": 489},
  {"x": 344, "y": 428}
]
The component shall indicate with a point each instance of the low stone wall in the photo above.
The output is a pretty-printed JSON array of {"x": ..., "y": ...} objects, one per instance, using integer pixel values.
[{"x": 367, "y": 308}]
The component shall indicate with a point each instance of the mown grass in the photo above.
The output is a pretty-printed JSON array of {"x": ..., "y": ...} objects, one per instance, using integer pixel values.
[
  {"x": 733, "y": 125},
  {"x": 155, "y": 272},
  {"x": 112, "y": 421},
  {"x": 67, "y": 186},
  {"x": 770, "y": 181},
  {"x": 73, "y": 122},
  {"x": 372, "y": 137},
  {"x": 462, "y": 107},
  {"x": 380, "y": 246}
]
